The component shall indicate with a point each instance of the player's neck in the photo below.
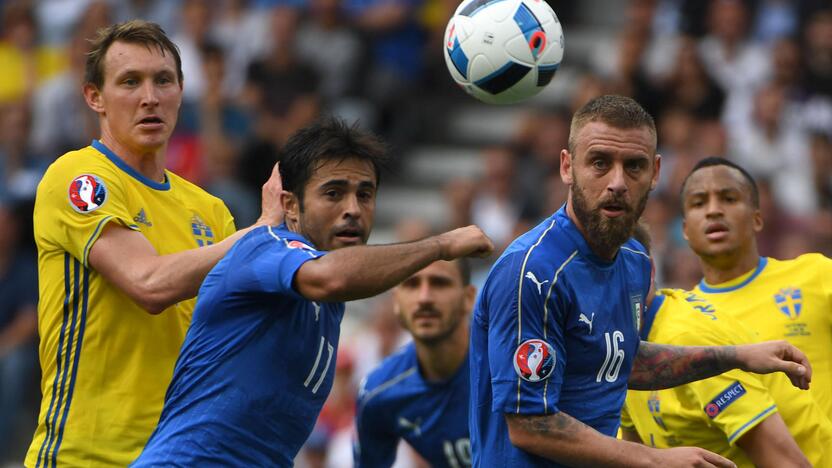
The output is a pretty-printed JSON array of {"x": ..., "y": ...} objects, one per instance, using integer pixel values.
[
  {"x": 150, "y": 164},
  {"x": 441, "y": 360},
  {"x": 720, "y": 270}
]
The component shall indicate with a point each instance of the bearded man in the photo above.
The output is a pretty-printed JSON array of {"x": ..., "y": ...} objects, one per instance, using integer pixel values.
[{"x": 555, "y": 333}]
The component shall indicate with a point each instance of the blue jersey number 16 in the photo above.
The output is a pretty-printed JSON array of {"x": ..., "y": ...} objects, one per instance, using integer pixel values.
[{"x": 615, "y": 356}]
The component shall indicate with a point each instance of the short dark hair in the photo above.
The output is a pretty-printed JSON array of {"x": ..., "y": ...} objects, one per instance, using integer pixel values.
[
  {"x": 712, "y": 161},
  {"x": 325, "y": 140},
  {"x": 132, "y": 32},
  {"x": 617, "y": 111},
  {"x": 464, "y": 270}
]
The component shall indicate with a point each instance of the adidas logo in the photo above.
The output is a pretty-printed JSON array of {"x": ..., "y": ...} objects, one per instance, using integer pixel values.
[{"x": 142, "y": 218}]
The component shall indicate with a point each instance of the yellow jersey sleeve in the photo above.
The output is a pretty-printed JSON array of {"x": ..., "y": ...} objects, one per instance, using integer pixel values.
[
  {"x": 76, "y": 198},
  {"x": 735, "y": 401}
]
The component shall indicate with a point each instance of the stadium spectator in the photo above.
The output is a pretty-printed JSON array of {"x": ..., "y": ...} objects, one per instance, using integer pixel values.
[
  {"x": 20, "y": 167},
  {"x": 26, "y": 62},
  {"x": 18, "y": 324},
  {"x": 690, "y": 87},
  {"x": 52, "y": 132},
  {"x": 774, "y": 147},
  {"x": 117, "y": 238},
  {"x": 331, "y": 48},
  {"x": 818, "y": 52},
  {"x": 281, "y": 84}
]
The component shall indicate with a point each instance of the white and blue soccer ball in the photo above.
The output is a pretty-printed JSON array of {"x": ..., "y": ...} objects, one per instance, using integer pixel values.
[{"x": 503, "y": 51}]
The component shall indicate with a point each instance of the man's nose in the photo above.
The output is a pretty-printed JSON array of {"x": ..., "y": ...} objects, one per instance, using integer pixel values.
[{"x": 617, "y": 182}]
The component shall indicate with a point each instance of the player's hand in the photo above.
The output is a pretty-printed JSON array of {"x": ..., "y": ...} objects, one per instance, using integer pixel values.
[
  {"x": 464, "y": 242},
  {"x": 687, "y": 457},
  {"x": 776, "y": 356},
  {"x": 272, "y": 210}
]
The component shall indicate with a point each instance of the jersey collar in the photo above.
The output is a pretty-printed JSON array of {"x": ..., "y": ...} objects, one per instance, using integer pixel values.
[
  {"x": 736, "y": 283},
  {"x": 102, "y": 148}
]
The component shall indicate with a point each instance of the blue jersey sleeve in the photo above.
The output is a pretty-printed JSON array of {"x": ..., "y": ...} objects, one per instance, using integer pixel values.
[
  {"x": 374, "y": 445},
  {"x": 267, "y": 262},
  {"x": 526, "y": 350}
]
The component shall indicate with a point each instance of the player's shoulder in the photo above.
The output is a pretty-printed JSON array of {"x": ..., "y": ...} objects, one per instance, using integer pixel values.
[
  {"x": 687, "y": 318},
  {"x": 79, "y": 162},
  {"x": 191, "y": 189},
  {"x": 807, "y": 260},
  {"x": 634, "y": 248},
  {"x": 543, "y": 246},
  {"x": 392, "y": 374}
]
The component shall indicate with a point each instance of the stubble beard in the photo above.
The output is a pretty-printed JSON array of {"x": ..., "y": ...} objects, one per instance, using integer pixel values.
[{"x": 605, "y": 235}]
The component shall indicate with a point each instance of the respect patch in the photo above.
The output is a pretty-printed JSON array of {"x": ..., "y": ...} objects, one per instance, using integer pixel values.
[{"x": 724, "y": 399}]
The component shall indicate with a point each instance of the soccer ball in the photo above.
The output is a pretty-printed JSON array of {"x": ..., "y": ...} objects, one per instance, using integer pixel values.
[{"x": 503, "y": 51}]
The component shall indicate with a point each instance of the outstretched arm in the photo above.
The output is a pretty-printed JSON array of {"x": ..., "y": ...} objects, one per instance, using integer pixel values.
[
  {"x": 659, "y": 366},
  {"x": 562, "y": 438},
  {"x": 352, "y": 273}
]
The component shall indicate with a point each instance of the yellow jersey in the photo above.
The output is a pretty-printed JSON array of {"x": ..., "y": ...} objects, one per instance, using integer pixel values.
[
  {"x": 714, "y": 413},
  {"x": 786, "y": 300},
  {"x": 106, "y": 363}
]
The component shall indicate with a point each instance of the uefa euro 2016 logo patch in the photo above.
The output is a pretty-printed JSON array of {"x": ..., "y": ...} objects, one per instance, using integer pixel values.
[
  {"x": 87, "y": 193},
  {"x": 296, "y": 244},
  {"x": 534, "y": 360},
  {"x": 725, "y": 398}
]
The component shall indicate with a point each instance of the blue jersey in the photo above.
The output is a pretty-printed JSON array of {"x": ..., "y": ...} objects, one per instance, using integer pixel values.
[
  {"x": 554, "y": 329},
  {"x": 396, "y": 402},
  {"x": 257, "y": 363}
]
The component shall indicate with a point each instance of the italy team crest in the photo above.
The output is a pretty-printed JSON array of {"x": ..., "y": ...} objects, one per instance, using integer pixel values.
[
  {"x": 637, "y": 306},
  {"x": 534, "y": 360},
  {"x": 87, "y": 193}
]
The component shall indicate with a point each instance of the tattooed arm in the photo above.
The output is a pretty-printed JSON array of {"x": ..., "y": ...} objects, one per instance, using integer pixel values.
[
  {"x": 564, "y": 439},
  {"x": 662, "y": 366}
]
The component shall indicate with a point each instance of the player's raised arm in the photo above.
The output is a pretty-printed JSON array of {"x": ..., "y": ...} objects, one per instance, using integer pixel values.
[
  {"x": 563, "y": 438},
  {"x": 357, "y": 272},
  {"x": 659, "y": 366},
  {"x": 127, "y": 259}
]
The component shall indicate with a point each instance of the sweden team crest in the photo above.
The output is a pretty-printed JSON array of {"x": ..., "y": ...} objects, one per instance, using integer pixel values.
[
  {"x": 87, "y": 193},
  {"x": 202, "y": 232},
  {"x": 790, "y": 302},
  {"x": 534, "y": 360}
]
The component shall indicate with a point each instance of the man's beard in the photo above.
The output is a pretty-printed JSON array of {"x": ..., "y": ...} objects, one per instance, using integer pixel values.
[{"x": 605, "y": 235}]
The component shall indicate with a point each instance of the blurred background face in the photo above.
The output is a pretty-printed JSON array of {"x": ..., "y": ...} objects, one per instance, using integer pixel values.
[
  {"x": 432, "y": 303},
  {"x": 720, "y": 218},
  {"x": 338, "y": 204},
  {"x": 612, "y": 173}
]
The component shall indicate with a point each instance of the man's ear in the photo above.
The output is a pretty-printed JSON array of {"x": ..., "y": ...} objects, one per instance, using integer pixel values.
[
  {"x": 92, "y": 95},
  {"x": 291, "y": 206},
  {"x": 566, "y": 167}
]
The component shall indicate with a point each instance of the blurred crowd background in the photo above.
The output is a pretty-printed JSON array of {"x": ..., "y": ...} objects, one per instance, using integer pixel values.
[{"x": 749, "y": 80}]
